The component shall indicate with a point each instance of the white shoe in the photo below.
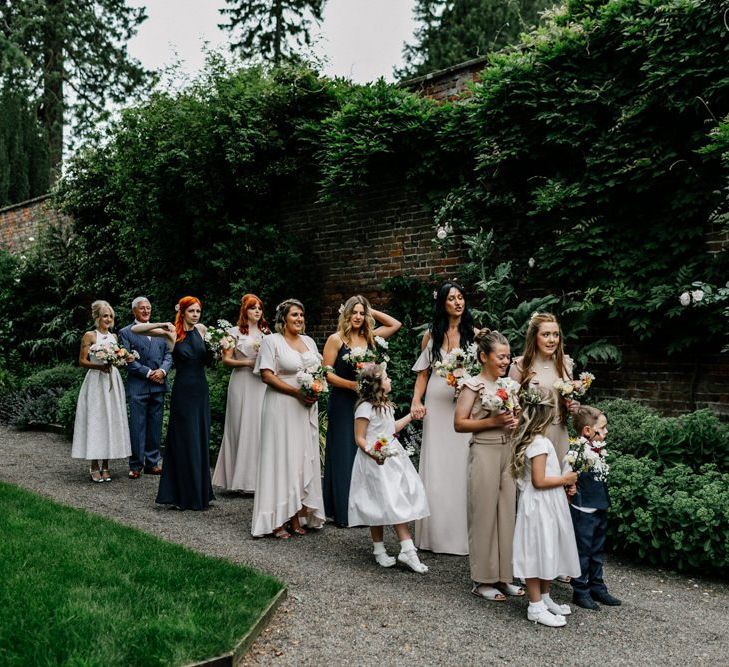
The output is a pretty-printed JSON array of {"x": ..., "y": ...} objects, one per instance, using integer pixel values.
[
  {"x": 410, "y": 558},
  {"x": 546, "y": 617},
  {"x": 558, "y": 609},
  {"x": 385, "y": 560}
]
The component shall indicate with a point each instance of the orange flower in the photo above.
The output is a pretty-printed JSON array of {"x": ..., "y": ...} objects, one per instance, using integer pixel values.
[{"x": 502, "y": 394}]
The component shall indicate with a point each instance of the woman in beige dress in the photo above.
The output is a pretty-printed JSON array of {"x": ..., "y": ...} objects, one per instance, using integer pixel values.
[
  {"x": 444, "y": 453},
  {"x": 541, "y": 365},
  {"x": 491, "y": 489},
  {"x": 237, "y": 463}
]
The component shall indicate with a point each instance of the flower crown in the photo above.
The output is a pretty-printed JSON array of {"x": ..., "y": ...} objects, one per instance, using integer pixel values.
[{"x": 533, "y": 397}]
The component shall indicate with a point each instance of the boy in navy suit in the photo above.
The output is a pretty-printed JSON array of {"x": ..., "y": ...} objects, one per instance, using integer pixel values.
[
  {"x": 146, "y": 389},
  {"x": 589, "y": 506}
]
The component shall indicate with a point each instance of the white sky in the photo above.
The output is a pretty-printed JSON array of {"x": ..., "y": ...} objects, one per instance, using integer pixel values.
[{"x": 360, "y": 39}]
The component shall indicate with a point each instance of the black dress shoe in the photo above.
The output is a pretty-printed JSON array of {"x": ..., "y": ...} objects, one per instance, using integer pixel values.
[
  {"x": 586, "y": 602},
  {"x": 603, "y": 597}
]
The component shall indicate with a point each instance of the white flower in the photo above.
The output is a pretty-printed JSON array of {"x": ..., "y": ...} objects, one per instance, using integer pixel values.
[
  {"x": 685, "y": 299},
  {"x": 341, "y": 308},
  {"x": 442, "y": 233},
  {"x": 697, "y": 294},
  {"x": 23, "y": 257},
  {"x": 531, "y": 262},
  {"x": 382, "y": 342},
  {"x": 435, "y": 293},
  {"x": 224, "y": 324},
  {"x": 31, "y": 238},
  {"x": 17, "y": 280}
]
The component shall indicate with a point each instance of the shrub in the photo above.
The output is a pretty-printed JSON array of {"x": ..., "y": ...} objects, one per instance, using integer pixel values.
[
  {"x": 66, "y": 414},
  {"x": 64, "y": 376},
  {"x": 625, "y": 419},
  {"x": 694, "y": 439},
  {"x": 679, "y": 518},
  {"x": 218, "y": 378},
  {"x": 27, "y": 409}
]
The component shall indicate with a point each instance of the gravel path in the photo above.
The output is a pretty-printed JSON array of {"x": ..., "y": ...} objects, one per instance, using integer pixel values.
[{"x": 343, "y": 608}]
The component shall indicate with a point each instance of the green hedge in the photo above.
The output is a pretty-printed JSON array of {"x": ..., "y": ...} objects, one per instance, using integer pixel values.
[
  {"x": 694, "y": 439},
  {"x": 673, "y": 517}
]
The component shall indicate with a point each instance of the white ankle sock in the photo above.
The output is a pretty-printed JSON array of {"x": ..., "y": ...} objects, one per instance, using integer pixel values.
[
  {"x": 537, "y": 607},
  {"x": 547, "y": 599},
  {"x": 406, "y": 545},
  {"x": 378, "y": 548}
]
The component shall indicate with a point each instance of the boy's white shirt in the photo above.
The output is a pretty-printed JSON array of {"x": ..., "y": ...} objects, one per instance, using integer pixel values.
[{"x": 565, "y": 469}]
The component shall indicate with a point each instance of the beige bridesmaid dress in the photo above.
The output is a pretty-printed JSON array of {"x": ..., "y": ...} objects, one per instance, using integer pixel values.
[{"x": 443, "y": 468}]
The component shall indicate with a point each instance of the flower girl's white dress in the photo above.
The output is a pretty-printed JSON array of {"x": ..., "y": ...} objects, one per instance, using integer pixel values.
[
  {"x": 387, "y": 494},
  {"x": 101, "y": 429},
  {"x": 544, "y": 539}
]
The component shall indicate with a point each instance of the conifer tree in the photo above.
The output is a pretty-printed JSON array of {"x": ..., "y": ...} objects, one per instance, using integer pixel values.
[
  {"x": 271, "y": 30},
  {"x": 453, "y": 31},
  {"x": 70, "y": 58}
]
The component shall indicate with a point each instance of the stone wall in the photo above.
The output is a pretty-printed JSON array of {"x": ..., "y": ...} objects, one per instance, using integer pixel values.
[{"x": 21, "y": 223}]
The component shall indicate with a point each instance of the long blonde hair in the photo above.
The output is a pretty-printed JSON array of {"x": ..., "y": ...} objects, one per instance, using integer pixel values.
[
  {"x": 538, "y": 408},
  {"x": 344, "y": 324},
  {"x": 370, "y": 387}
]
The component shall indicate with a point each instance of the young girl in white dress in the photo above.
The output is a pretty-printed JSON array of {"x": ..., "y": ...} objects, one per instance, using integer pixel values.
[
  {"x": 544, "y": 539},
  {"x": 385, "y": 490},
  {"x": 101, "y": 429}
]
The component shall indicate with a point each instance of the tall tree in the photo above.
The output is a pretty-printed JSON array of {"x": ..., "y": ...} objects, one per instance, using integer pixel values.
[
  {"x": 271, "y": 30},
  {"x": 23, "y": 151},
  {"x": 70, "y": 57},
  {"x": 452, "y": 31}
]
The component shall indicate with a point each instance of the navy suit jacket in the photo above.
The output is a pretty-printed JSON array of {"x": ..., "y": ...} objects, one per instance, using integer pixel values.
[{"x": 153, "y": 354}]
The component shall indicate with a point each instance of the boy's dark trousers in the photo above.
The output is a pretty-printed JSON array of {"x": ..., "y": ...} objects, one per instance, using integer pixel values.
[{"x": 590, "y": 532}]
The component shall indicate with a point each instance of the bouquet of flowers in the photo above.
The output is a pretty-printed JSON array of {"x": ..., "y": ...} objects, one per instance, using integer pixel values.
[
  {"x": 504, "y": 399},
  {"x": 312, "y": 376},
  {"x": 218, "y": 338},
  {"x": 574, "y": 388},
  {"x": 112, "y": 354},
  {"x": 585, "y": 456},
  {"x": 359, "y": 357},
  {"x": 383, "y": 447},
  {"x": 458, "y": 365}
]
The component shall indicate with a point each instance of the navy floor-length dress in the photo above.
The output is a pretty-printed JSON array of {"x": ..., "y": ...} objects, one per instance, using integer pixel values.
[
  {"x": 185, "y": 480},
  {"x": 341, "y": 446}
]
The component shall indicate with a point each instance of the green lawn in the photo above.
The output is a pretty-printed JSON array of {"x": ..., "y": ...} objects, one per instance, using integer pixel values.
[{"x": 78, "y": 589}]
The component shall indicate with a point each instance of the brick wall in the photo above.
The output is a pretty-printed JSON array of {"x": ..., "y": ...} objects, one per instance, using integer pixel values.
[
  {"x": 672, "y": 386},
  {"x": 447, "y": 84},
  {"x": 388, "y": 234},
  {"x": 21, "y": 223}
]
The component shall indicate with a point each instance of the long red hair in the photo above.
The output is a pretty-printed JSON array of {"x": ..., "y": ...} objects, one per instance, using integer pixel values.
[
  {"x": 246, "y": 303},
  {"x": 182, "y": 305}
]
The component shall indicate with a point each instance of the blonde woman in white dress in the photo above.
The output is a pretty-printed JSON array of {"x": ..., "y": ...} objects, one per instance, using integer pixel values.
[
  {"x": 288, "y": 483},
  {"x": 544, "y": 539},
  {"x": 101, "y": 428},
  {"x": 237, "y": 463},
  {"x": 444, "y": 453}
]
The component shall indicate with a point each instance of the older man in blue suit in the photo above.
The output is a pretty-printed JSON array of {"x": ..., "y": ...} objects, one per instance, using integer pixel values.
[{"x": 146, "y": 388}]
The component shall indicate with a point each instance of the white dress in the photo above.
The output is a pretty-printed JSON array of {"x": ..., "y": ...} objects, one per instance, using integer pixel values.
[
  {"x": 101, "y": 429},
  {"x": 387, "y": 494},
  {"x": 443, "y": 468},
  {"x": 544, "y": 539},
  {"x": 237, "y": 462},
  {"x": 289, "y": 467}
]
